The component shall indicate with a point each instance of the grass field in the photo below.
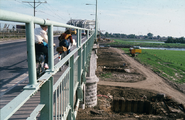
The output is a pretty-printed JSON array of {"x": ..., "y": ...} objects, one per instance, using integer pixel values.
[
  {"x": 167, "y": 63},
  {"x": 126, "y": 42}
]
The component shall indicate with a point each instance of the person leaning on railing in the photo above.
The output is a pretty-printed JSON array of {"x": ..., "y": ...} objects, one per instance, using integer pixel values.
[
  {"x": 41, "y": 42},
  {"x": 64, "y": 40}
]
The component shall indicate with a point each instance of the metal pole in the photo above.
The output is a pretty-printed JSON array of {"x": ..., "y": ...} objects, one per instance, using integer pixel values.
[
  {"x": 46, "y": 97},
  {"x": 71, "y": 90},
  {"x": 50, "y": 48},
  {"x": 34, "y": 11},
  {"x": 78, "y": 38},
  {"x": 96, "y": 22},
  {"x": 34, "y": 8},
  {"x": 87, "y": 34},
  {"x": 31, "y": 53}
]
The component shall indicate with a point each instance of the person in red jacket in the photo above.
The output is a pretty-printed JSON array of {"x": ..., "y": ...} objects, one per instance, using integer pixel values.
[{"x": 65, "y": 38}]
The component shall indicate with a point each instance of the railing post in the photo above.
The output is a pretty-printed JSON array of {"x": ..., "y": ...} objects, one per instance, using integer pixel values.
[
  {"x": 80, "y": 95},
  {"x": 46, "y": 97},
  {"x": 31, "y": 54},
  {"x": 85, "y": 53},
  {"x": 80, "y": 58},
  {"x": 78, "y": 38},
  {"x": 50, "y": 48},
  {"x": 71, "y": 92},
  {"x": 86, "y": 50},
  {"x": 83, "y": 61},
  {"x": 79, "y": 65},
  {"x": 87, "y": 34}
]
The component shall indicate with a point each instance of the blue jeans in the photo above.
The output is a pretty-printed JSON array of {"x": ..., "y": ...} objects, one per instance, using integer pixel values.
[{"x": 65, "y": 43}]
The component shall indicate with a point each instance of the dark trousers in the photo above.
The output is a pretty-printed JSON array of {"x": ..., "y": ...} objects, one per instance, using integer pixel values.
[
  {"x": 65, "y": 43},
  {"x": 40, "y": 48}
]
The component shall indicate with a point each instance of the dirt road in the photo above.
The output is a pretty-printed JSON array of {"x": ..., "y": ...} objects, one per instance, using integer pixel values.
[{"x": 152, "y": 81}]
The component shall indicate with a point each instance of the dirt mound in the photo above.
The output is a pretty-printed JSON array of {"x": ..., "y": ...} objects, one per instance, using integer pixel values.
[{"x": 112, "y": 63}]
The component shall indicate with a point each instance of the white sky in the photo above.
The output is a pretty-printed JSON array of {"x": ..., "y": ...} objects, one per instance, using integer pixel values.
[{"x": 160, "y": 17}]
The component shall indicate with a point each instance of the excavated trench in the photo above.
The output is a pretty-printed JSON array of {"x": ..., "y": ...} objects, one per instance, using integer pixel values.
[
  {"x": 156, "y": 105},
  {"x": 163, "y": 106},
  {"x": 131, "y": 105},
  {"x": 138, "y": 102},
  {"x": 121, "y": 105}
]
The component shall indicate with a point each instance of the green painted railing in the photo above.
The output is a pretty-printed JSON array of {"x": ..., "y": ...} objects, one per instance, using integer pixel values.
[{"x": 59, "y": 100}]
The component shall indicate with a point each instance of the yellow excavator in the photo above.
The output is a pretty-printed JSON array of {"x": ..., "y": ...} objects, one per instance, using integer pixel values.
[{"x": 135, "y": 50}]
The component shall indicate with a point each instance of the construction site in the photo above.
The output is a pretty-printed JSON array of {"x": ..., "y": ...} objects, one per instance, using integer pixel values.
[{"x": 128, "y": 90}]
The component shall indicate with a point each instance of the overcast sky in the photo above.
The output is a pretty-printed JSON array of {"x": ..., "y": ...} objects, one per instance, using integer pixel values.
[{"x": 160, "y": 17}]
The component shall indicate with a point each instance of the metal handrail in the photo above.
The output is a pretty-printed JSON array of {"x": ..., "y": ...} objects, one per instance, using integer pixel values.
[{"x": 63, "y": 90}]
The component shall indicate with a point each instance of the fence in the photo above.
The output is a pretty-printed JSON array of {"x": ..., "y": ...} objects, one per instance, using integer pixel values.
[
  {"x": 18, "y": 33},
  {"x": 12, "y": 34},
  {"x": 59, "y": 100}
]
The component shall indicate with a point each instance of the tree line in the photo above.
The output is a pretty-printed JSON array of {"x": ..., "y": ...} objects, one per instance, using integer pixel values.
[
  {"x": 175, "y": 40},
  {"x": 148, "y": 36},
  {"x": 118, "y": 35}
]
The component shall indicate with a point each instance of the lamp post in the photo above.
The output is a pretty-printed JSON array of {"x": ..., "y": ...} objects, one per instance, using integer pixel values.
[{"x": 95, "y": 19}]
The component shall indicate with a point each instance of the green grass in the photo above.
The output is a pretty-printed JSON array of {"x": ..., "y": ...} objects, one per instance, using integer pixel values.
[
  {"x": 106, "y": 75},
  {"x": 167, "y": 63},
  {"x": 126, "y": 42}
]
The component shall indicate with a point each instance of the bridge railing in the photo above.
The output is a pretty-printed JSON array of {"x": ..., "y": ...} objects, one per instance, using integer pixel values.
[{"x": 59, "y": 100}]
